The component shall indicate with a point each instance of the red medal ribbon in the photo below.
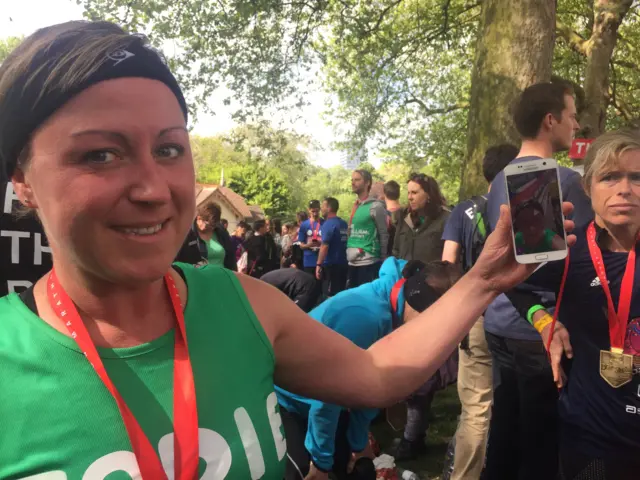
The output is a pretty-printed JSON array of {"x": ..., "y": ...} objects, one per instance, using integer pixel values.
[
  {"x": 353, "y": 211},
  {"x": 314, "y": 231},
  {"x": 617, "y": 320},
  {"x": 185, "y": 411}
]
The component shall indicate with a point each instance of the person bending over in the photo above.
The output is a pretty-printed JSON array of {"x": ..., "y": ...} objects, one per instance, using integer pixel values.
[{"x": 322, "y": 436}]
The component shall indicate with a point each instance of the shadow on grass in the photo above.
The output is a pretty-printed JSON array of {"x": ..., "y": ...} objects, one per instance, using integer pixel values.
[{"x": 444, "y": 418}]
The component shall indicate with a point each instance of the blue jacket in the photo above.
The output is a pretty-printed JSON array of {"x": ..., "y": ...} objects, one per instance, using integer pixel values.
[{"x": 363, "y": 315}]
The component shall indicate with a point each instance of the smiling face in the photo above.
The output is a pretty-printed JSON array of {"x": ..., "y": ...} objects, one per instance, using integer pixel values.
[
  {"x": 111, "y": 177},
  {"x": 615, "y": 192}
]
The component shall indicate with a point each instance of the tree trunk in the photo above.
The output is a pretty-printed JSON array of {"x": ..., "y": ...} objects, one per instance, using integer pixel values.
[
  {"x": 514, "y": 50},
  {"x": 607, "y": 17}
]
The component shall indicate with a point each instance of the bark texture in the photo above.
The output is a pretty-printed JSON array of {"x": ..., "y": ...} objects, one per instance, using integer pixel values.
[
  {"x": 607, "y": 17},
  {"x": 514, "y": 50}
]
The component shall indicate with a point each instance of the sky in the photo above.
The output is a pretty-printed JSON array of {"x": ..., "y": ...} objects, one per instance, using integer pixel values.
[{"x": 23, "y": 17}]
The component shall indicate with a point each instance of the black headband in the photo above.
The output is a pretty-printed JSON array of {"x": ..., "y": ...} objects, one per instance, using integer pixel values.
[
  {"x": 419, "y": 294},
  {"x": 26, "y": 105}
]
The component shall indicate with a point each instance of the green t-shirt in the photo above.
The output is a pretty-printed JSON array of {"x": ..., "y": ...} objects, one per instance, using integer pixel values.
[
  {"x": 59, "y": 421},
  {"x": 215, "y": 252},
  {"x": 545, "y": 244}
]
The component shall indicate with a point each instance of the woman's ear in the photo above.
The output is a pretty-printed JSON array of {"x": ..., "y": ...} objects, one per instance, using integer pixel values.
[{"x": 23, "y": 189}]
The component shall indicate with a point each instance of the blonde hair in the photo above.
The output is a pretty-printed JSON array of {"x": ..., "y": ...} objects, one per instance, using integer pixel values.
[{"x": 605, "y": 152}]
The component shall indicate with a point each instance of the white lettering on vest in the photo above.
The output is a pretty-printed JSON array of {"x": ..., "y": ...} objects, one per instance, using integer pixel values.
[
  {"x": 276, "y": 425},
  {"x": 214, "y": 449},
  {"x": 38, "y": 248},
  {"x": 121, "y": 461},
  {"x": 250, "y": 443},
  {"x": 15, "y": 243}
]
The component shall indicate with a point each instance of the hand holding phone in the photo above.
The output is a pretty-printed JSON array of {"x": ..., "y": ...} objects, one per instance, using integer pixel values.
[{"x": 535, "y": 200}]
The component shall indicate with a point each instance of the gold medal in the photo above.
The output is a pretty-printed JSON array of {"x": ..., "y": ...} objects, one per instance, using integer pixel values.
[{"x": 616, "y": 367}]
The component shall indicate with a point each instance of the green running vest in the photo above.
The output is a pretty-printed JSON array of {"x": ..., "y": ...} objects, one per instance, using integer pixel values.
[
  {"x": 59, "y": 422},
  {"x": 363, "y": 232}
]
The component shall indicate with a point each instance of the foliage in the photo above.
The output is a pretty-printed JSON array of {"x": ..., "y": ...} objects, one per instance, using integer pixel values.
[
  {"x": 267, "y": 188},
  {"x": 398, "y": 70},
  {"x": 266, "y": 166},
  {"x": 7, "y": 45}
]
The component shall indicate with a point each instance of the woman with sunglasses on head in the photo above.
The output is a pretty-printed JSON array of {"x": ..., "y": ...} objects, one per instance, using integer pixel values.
[
  {"x": 119, "y": 362},
  {"x": 215, "y": 240},
  {"x": 598, "y": 326},
  {"x": 419, "y": 229}
]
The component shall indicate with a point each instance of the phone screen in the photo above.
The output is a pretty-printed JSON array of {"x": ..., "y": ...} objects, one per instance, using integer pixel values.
[{"x": 536, "y": 211}]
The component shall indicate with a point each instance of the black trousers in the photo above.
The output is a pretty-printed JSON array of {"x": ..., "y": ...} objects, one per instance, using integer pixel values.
[
  {"x": 298, "y": 459},
  {"x": 523, "y": 434},
  {"x": 360, "y": 275},
  {"x": 334, "y": 279}
]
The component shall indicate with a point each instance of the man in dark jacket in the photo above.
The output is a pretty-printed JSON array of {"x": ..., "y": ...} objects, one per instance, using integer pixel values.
[
  {"x": 298, "y": 285},
  {"x": 262, "y": 253}
]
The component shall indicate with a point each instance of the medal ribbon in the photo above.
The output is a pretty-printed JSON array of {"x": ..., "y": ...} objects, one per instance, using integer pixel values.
[
  {"x": 617, "y": 320},
  {"x": 314, "y": 231},
  {"x": 185, "y": 412},
  {"x": 353, "y": 211}
]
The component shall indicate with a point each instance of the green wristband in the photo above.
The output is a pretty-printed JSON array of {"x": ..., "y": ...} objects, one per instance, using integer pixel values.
[{"x": 533, "y": 310}]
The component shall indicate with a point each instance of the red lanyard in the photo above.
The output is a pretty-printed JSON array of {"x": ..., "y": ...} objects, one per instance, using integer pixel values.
[
  {"x": 353, "y": 211},
  {"x": 185, "y": 412},
  {"x": 395, "y": 293},
  {"x": 617, "y": 320},
  {"x": 314, "y": 231}
]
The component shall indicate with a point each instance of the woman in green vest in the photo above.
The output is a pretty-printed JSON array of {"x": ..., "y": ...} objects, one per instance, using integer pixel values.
[
  {"x": 215, "y": 237},
  {"x": 119, "y": 364}
]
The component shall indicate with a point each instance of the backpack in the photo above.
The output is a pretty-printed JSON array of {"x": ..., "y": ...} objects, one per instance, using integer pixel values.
[{"x": 480, "y": 230}]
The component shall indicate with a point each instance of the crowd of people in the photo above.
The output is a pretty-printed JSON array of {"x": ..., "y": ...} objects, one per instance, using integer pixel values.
[{"x": 121, "y": 356}]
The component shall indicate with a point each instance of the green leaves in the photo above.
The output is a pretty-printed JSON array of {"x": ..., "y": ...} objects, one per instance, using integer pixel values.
[{"x": 7, "y": 45}]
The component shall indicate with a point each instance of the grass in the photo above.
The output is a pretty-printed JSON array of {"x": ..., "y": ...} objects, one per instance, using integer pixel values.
[{"x": 444, "y": 410}]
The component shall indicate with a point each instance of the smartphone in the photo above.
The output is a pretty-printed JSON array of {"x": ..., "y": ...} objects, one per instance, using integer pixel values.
[{"x": 535, "y": 199}]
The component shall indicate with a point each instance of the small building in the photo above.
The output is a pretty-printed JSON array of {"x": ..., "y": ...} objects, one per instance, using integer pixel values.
[{"x": 234, "y": 207}]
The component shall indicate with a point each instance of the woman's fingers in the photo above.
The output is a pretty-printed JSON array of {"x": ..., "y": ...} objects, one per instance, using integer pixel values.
[
  {"x": 567, "y": 208},
  {"x": 569, "y": 225},
  {"x": 566, "y": 343}
]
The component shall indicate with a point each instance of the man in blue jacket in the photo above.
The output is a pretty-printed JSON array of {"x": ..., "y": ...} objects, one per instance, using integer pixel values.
[{"x": 321, "y": 437}]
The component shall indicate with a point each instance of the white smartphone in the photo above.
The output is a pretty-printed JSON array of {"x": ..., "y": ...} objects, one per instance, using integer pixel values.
[{"x": 535, "y": 199}]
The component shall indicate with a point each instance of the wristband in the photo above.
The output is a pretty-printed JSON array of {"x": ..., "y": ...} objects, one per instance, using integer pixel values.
[
  {"x": 533, "y": 310},
  {"x": 539, "y": 325}
]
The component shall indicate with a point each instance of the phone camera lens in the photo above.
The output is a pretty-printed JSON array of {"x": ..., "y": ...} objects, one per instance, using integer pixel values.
[{"x": 544, "y": 163}]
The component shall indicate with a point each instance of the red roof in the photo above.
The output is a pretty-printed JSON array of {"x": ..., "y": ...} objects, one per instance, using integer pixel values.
[{"x": 204, "y": 191}]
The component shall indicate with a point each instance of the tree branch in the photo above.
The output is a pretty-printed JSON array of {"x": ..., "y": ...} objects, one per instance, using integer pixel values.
[
  {"x": 575, "y": 41},
  {"x": 437, "y": 111},
  {"x": 381, "y": 17}
]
